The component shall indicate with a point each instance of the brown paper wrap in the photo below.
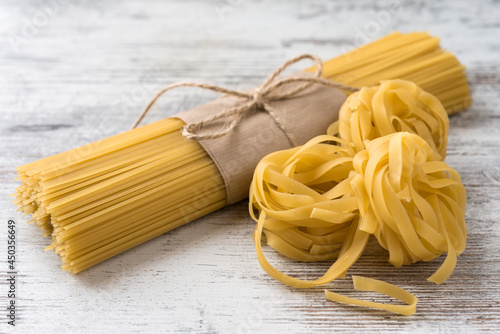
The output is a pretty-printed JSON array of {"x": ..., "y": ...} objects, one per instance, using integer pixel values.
[{"x": 306, "y": 115}]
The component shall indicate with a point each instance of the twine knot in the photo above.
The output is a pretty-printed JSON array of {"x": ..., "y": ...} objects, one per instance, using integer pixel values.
[{"x": 258, "y": 99}]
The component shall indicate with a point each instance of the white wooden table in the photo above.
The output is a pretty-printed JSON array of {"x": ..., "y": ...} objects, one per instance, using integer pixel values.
[{"x": 75, "y": 71}]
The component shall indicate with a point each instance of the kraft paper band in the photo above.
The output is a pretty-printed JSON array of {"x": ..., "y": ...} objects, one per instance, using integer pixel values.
[{"x": 236, "y": 154}]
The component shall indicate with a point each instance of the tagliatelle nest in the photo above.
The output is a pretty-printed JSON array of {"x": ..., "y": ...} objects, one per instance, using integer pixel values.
[
  {"x": 411, "y": 201},
  {"x": 395, "y": 105}
]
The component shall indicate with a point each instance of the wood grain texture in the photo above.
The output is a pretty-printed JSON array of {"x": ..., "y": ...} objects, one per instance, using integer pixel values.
[{"x": 72, "y": 72}]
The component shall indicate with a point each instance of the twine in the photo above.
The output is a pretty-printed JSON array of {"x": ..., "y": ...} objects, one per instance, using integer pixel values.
[{"x": 259, "y": 98}]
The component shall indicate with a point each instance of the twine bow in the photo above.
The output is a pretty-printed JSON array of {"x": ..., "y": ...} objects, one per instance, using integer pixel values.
[{"x": 258, "y": 99}]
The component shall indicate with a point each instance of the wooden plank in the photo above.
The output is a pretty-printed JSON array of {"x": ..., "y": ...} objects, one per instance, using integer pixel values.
[{"x": 72, "y": 72}]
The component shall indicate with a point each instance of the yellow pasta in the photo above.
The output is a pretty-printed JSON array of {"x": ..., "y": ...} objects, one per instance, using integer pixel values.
[
  {"x": 103, "y": 198},
  {"x": 321, "y": 201},
  {"x": 416, "y": 57},
  {"x": 398, "y": 190},
  {"x": 395, "y": 105},
  {"x": 411, "y": 201},
  {"x": 369, "y": 284}
]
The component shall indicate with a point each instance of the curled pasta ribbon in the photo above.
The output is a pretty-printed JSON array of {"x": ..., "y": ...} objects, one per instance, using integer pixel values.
[
  {"x": 394, "y": 106},
  {"x": 369, "y": 284},
  {"x": 411, "y": 201}
]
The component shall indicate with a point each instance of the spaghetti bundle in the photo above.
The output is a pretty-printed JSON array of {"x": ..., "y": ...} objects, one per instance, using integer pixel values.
[
  {"x": 103, "y": 198},
  {"x": 323, "y": 200},
  {"x": 415, "y": 57},
  {"x": 114, "y": 194}
]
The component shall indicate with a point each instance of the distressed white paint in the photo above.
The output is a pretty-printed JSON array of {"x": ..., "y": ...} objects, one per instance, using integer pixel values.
[{"x": 84, "y": 70}]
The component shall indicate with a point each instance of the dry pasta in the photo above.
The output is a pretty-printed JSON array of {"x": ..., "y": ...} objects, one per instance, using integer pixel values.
[
  {"x": 416, "y": 57},
  {"x": 323, "y": 200},
  {"x": 399, "y": 191},
  {"x": 395, "y": 105},
  {"x": 117, "y": 193},
  {"x": 103, "y": 198}
]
